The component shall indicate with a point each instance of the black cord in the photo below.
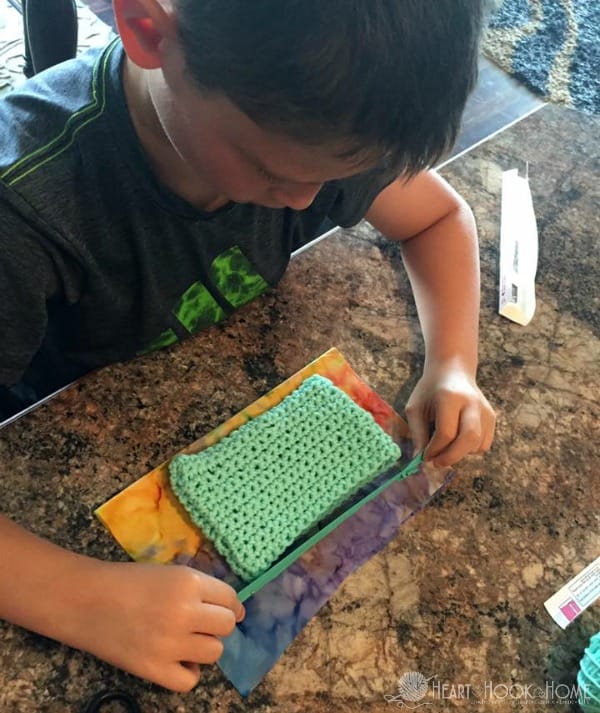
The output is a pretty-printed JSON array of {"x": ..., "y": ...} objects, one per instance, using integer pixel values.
[
  {"x": 17, "y": 5},
  {"x": 95, "y": 704}
]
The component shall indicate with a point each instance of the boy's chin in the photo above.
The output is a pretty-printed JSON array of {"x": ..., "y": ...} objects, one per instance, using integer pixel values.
[
  {"x": 261, "y": 202},
  {"x": 269, "y": 204}
]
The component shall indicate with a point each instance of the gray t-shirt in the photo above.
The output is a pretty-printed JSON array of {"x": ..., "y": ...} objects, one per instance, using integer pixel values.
[{"x": 99, "y": 261}]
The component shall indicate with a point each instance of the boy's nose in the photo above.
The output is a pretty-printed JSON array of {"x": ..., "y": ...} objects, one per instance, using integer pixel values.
[{"x": 297, "y": 196}]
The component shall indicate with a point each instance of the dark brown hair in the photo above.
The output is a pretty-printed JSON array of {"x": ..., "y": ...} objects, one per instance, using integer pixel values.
[{"x": 384, "y": 76}]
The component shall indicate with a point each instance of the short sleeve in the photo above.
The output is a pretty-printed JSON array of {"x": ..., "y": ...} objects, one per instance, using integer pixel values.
[{"x": 355, "y": 195}]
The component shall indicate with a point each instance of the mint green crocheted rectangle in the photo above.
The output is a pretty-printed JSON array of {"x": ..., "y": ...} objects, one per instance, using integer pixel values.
[{"x": 257, "y": 490}]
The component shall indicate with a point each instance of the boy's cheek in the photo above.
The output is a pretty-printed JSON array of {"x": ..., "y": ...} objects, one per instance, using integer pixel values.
[{"x": 236, "y": 185}]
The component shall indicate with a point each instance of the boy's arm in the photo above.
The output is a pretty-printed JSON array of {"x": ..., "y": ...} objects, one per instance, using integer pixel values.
[
  {"x": 440, "y": 253},
  {"x": 155, "y": 621}
]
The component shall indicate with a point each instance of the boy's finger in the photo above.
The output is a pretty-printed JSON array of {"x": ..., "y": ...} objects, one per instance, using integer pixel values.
[
  {"x": 419, "y": 429},
  {"x": 180, "y": 677},
  {"x": 212, "y": 619},
  {"x": 488, "y": 434},
  {"x": 487, "y": 439},
  {"x": 446, "y": 430},
  {"x": 467, "y": 440},
  {"x": 201, "y": 649},
  {"x": 215, "y": 591}
]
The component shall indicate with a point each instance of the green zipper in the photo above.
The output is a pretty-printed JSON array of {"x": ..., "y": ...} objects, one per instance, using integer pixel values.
[{"x": 270, "y": 574}]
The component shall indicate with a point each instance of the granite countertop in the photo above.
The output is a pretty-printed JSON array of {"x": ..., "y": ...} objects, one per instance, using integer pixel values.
[{"x": 459, "y": 593}]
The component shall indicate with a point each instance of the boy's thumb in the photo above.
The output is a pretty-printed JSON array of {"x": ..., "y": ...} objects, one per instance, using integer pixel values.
[{"x": 419, "y": 431}]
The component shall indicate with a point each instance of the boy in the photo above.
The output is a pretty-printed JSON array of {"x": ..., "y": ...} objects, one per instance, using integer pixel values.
[{"x": 151, "y": 188}]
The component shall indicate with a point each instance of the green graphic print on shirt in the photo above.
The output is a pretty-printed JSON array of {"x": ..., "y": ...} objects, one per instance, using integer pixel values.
[
  {"x": 197, "y": 309},
  {"x": 235, "y": 278}
]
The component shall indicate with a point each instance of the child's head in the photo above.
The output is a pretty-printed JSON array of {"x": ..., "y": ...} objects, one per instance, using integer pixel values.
[
  {"x": 389, "y": 76},
  {"x": 264, "y": 100}
]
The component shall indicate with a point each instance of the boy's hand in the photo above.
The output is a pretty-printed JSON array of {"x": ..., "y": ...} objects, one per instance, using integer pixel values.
[
  {"x": 158, "y": 622},
  {"x": 440, "y": 251},
  {"x": 448, "y": 397},
  {"x": 155, "y": 621}
]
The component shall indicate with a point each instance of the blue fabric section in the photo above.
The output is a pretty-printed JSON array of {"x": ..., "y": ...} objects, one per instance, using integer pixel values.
[{"x": 277, "y": 613}]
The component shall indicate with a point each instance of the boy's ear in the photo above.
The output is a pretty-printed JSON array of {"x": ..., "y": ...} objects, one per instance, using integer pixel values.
[{"x": 143, "y": 24}]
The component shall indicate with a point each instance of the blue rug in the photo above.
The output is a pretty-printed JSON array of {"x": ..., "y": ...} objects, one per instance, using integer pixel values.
[{"x": 552, "y": 46}]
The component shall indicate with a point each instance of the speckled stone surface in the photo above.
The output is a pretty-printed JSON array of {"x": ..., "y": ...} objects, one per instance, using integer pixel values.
[{"x": 459, "y": 594}]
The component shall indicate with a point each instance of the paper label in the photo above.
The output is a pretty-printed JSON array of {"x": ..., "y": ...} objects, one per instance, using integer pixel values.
[
  {"x": 576, "y": 596},
  {"x": 518, "y": 249}
]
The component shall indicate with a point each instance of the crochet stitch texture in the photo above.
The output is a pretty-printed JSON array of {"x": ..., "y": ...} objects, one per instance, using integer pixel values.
[{"x": 257, "y": 490}]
